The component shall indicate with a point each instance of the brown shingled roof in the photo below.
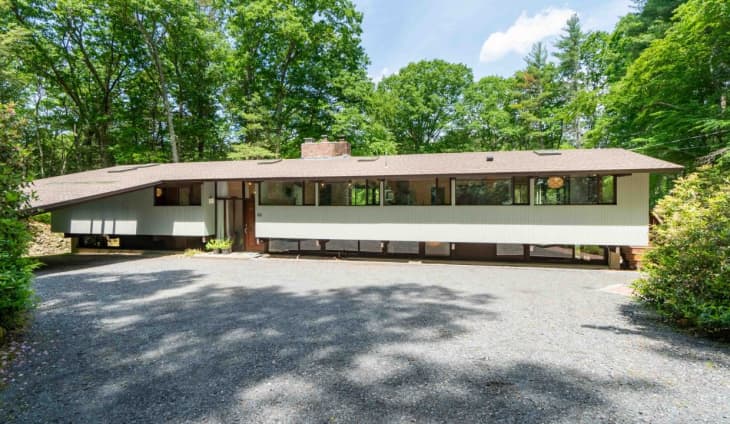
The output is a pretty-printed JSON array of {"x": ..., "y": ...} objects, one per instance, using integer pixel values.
[{"x": 58, "y": 191}]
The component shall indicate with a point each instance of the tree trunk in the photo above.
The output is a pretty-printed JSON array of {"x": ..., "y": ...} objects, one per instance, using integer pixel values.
[{"x": 162, "y": 86}]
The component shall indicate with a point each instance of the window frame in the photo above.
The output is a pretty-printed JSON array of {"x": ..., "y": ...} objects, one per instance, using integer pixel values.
[
  {"x": 599, "y": 190},
  {"x": 486, "y": 178},
  {"x": 301, "y": 182},
  {"x": 434, "y": 184},
  {"x": 350, "y": 183},
  {"x": 177, "y": 186}
]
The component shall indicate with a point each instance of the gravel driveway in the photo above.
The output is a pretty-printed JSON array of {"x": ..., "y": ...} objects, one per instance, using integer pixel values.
[{"x": 174, "y": 339}]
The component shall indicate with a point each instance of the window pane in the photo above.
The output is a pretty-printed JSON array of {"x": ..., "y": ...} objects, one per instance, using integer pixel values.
[
  {"x": 510, "y": 249},
  {"x": 403, "y": 247},
  {"x": 342, "y": 245},
  {"x": 195, "y": 194},
  {"x": 352, "y": 193},
  {"x": 590, "y": 253},
  {"x": 484, "y": 192},
  {"x": 556, "y": 251},
  {"x": 309, "y": 193},
  {"x": 438, "y": 249},
  {"x": 177, "y": 194},
  {"x": 280, "y": 193},
  {"x": 283, "y": 245},
  {"x": 371, "y": 246},
  {"x": 365, "y": 193},
  {"x": 184, "y": 193},
  {"x": 418, "y": 192},
  {"x": 608, "y": 189},
  {"x": 551, "y": 190},
  {"x": 522, "y": 191},
  {"x": 583, "y": 190}
]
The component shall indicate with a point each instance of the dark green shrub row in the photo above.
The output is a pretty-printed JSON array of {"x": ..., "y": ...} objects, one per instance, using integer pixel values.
[{"x": 687, "y": 272}]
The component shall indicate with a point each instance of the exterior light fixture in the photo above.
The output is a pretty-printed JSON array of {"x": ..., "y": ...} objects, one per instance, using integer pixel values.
[
  {"x": 158, "y": 192},
  {"x": 555, "y": 182}
]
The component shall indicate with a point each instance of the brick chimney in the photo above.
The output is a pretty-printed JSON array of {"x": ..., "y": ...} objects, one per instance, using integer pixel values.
[{"x": 324, "y": 148}]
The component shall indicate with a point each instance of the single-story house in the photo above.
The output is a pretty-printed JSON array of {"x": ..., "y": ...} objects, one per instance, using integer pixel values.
[{"x": 570, "y": 205}]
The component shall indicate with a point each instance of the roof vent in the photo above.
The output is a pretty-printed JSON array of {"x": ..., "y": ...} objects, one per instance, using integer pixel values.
[
  {"x": 132, "y": 168},
  {"x": 547, "y": 152},
  {"x": 268, "y": 162},
  {"x": 490, "y": 158}
]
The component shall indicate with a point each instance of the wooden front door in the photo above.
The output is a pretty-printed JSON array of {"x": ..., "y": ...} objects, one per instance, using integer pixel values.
[{"x": 251, "y": 244}]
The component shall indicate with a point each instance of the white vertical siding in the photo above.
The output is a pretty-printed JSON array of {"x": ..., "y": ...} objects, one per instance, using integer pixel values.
[
  {"x": 625, "y": 223},
  {"x": 134, "y": 213}
]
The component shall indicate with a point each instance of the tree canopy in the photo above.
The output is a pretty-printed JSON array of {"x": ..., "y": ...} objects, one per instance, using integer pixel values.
[{"x": 100, "y": 83}]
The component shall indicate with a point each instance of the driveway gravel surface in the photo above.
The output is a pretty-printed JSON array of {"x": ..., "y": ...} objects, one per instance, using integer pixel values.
[{"x": 199, "y": 340}]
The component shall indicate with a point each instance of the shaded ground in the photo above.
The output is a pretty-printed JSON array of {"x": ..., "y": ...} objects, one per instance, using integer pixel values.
[{"x": 173, "y": 339}]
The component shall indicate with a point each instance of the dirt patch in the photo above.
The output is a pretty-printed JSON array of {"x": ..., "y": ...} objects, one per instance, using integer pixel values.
[{"x": 46, "y": 242}]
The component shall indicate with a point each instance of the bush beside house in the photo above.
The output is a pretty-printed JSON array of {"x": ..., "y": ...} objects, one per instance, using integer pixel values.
[
  {"x": 16, "y": 270},
  {"x": 687, "y": 273}
]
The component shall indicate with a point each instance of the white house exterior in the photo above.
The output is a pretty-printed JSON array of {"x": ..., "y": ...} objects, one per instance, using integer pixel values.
[{"x": 566, "y": 205}]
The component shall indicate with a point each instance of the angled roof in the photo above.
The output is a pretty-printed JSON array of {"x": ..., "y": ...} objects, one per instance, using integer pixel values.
[{"x": 63, "y": 190}]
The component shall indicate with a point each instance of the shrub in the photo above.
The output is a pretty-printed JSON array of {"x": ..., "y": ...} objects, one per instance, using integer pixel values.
[
  {"x": 214, "y": 244},
  {"x": 16, "y": 271},
  {"x": 44, "y": 218},
  {"x": 687, "y": 272}
]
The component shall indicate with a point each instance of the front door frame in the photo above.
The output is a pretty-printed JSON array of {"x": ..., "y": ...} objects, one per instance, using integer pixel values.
[{"x": 250, "y": 242}]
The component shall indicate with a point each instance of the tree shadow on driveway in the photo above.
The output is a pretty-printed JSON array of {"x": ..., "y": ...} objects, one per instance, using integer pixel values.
[{"x": 178, "y": 346}]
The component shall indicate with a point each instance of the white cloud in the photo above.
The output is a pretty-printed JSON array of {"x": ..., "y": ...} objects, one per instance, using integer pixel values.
[
  {"x": 524, "y": 32},
  {"x": 379, "y": 77}
]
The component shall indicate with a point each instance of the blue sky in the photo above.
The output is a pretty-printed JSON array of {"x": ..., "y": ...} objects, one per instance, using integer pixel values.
[{"x": 491, "y": 37}]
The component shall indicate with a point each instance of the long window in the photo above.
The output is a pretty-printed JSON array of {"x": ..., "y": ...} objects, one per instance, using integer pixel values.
[
  {"x": 418, "y": 192},
  {"x": 287, "y": 193},
  {"x": 575, "y": 190},
  {"x": 178, "y": 194},
  {"x": 490, "y": 191},
  {"x": 350, "y": 193}
]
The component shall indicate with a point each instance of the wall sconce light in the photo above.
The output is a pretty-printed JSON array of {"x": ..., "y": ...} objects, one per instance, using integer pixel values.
[{"x": 158, "y": 191}]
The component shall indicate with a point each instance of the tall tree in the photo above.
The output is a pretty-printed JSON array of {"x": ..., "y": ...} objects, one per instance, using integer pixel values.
[
  {"x": 538, "y": 101},
  {"x": 570, "y": 67},
  {"x": 635, "y": 32},
  {"x": 672, "y": 102},
  {"x": 419, "y": 103},
  {"x": 486, "y": 118},
  {"x": 285, "y": 56},
  {"x": 82, "y": 49},
  {"x": 152, "y": 20}
]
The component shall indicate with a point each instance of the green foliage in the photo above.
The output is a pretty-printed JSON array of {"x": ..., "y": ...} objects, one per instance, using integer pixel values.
[
  {"x": 44, "y": 218},
  {"x": 245, "y": 151},
  {"x": 283, "y": 60},
  {"x": 687, "y": 272},
  {"x": 88, "y": 85},
  {"x": 15, "y": 269},
  {"x": 419, "y": 102},
  {"x": 670, "y": 102},
  {"x": 215, "y": 244}
]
